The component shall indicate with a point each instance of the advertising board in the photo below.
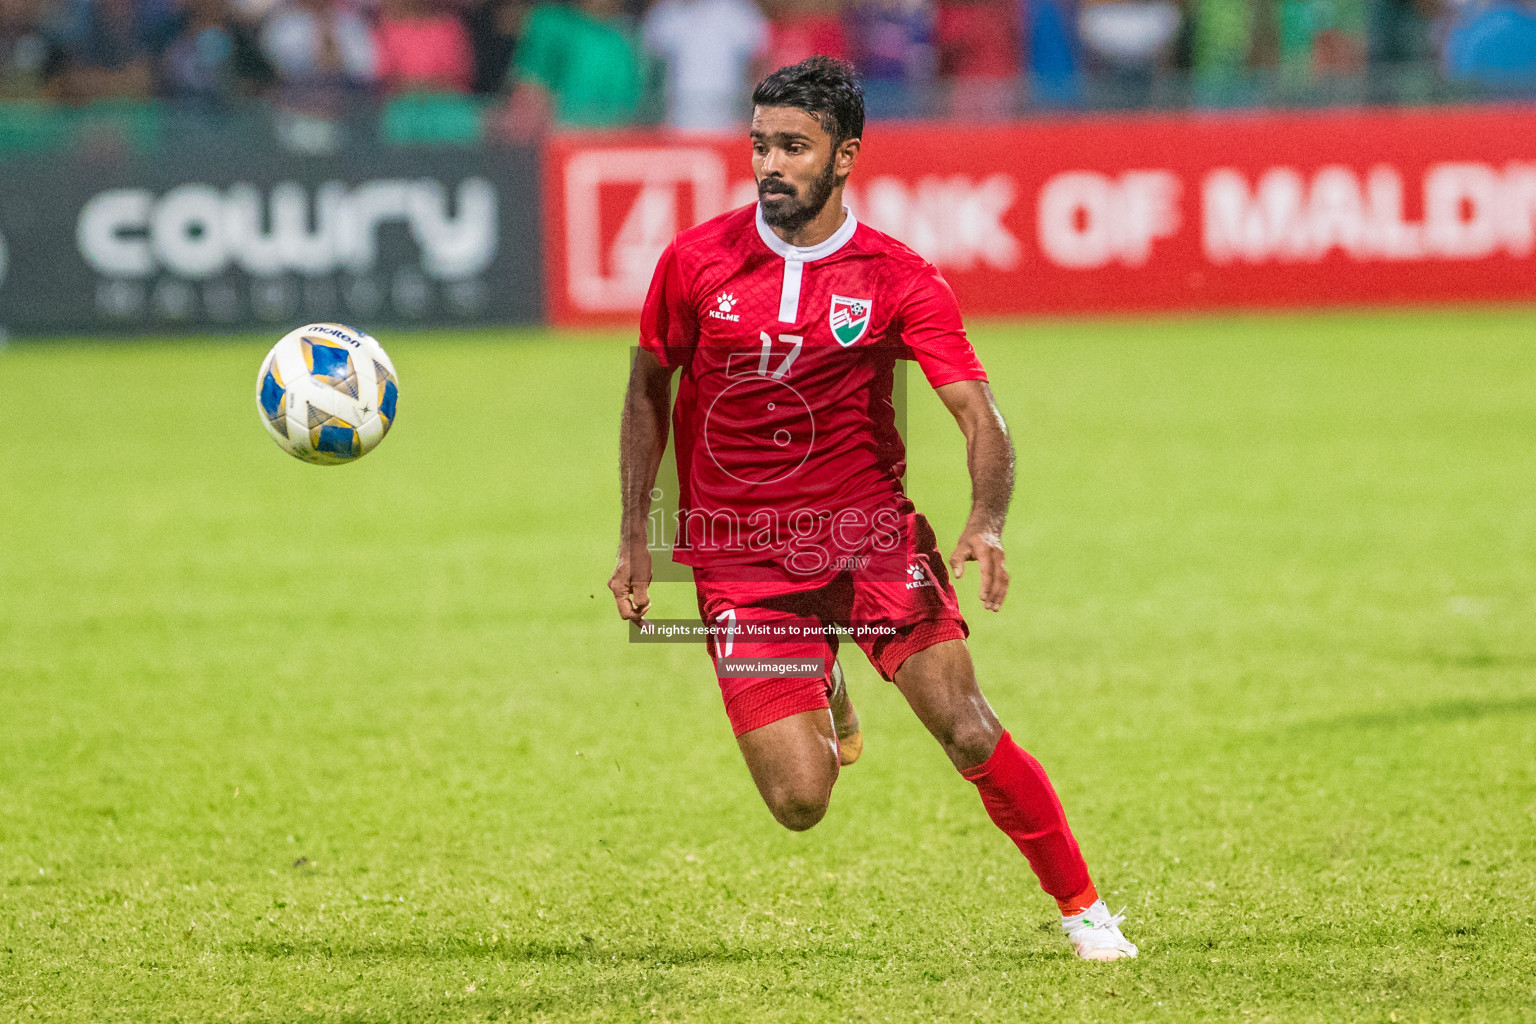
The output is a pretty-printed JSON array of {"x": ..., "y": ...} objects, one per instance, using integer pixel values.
[{"x": 1106, "y": 214}]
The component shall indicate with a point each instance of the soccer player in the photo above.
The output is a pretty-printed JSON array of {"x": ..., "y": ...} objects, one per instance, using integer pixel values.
[{"x": 786, "y": 320}]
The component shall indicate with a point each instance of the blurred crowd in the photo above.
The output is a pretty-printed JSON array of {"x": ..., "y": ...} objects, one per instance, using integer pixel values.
[{"x": 688, "y": 63}]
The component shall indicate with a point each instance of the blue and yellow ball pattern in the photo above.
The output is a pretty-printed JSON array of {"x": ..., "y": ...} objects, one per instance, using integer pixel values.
[
  {"x": 328, "y": 394},
  {"x": 273, "y": 397}
]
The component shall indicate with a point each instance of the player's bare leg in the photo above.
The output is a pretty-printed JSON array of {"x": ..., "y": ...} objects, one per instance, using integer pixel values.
[
  {"x": 845, "y": 720},
  {"x": 939, "y": 683},
  {"x": 794, "y": 763}
]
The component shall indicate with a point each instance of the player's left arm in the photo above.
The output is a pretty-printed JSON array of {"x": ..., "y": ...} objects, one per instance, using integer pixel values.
[
  {"x": 931, "y": 328},
  {"x": 989, "y": 457}
]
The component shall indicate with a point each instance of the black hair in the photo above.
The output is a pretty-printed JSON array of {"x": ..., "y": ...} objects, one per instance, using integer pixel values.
[{"x": 824, "y": 87}]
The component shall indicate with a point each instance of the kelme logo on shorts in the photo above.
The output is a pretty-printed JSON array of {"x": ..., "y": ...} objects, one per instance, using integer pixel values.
[{"x": 849, "y": 319}]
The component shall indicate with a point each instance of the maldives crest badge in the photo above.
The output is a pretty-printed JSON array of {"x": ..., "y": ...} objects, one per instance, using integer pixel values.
[{"x": 849, "y": 319}]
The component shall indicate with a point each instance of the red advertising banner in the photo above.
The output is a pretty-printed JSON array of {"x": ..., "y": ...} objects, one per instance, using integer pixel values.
[{"x": 1120, "y": 214}]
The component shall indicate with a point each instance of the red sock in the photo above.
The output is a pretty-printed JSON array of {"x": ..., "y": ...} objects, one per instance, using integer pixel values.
[
  {"x": 1021, "y": 802},
  {"x": 1079, "y": 903}
]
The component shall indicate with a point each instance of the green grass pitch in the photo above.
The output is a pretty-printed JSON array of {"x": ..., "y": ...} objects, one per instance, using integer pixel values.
[{"x": 291, "y": 744}]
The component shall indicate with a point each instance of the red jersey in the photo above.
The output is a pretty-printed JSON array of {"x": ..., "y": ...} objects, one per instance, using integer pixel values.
[{"x": 784, "y": 426}]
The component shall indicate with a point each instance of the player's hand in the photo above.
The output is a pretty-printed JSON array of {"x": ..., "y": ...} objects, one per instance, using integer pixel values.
[
  {"x": 986, "y": 549},
  {"x": 631, "y": 581}
]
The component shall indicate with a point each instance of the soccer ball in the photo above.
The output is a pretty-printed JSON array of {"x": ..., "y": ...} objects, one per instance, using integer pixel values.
[{"x": 327, "y": 394}]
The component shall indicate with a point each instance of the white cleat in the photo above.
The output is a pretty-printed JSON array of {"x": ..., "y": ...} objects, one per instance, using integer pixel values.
[{"x": 1095, "y": 934}]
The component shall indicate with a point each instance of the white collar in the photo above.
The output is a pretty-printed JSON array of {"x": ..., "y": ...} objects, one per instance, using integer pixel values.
[{"x": 806, "y": 254}]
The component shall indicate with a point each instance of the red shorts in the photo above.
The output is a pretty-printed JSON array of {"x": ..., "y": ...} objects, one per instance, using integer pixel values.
[{"x": 893, "y": 615}]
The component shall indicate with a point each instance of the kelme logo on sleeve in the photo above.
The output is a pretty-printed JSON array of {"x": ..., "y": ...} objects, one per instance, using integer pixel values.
[{"x": 849, "y": 319}]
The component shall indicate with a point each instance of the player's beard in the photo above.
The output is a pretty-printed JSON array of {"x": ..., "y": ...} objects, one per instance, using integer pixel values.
[{"x": 796, "y": 212}]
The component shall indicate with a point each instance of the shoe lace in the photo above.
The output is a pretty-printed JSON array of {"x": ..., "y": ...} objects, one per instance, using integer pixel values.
[{"x": 1112, "y": 921}]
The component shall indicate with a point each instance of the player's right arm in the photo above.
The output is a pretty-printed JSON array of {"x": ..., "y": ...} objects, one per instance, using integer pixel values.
[
  {"x": 667, "y": 330},
  {"x": 642, "y": 441}
]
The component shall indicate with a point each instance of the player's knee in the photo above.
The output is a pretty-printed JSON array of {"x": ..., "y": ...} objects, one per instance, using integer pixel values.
[
  {"x": 970, "y": 741},
  {"x": 798, "y": 811}
]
